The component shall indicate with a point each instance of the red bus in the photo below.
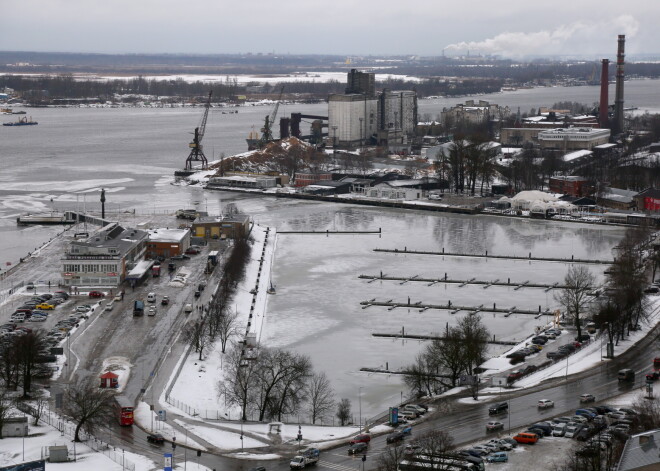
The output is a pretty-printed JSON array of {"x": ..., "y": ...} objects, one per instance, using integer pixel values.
[{"x": 124, "y": 411}]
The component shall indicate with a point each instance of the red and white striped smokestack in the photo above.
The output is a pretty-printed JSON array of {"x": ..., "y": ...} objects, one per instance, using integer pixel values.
[
  {"x": 603, "y": 117},
  {"x": 618, "y": 102}
]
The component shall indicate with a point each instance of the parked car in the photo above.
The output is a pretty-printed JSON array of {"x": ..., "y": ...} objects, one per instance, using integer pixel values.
[
  {"x": 96, "y": 294},
  {"x": 498, "y": 457},
  {"x": 603, "y": 409},
  {"x": 357, "y": 448},
  {"x": 540, "y": 340},
  {"x": 493, "y": 426},
  {"x": 540, "y": 433},
  {"x": 545, "y": 404},
  {"x": 45, "y": 306},
  {"x": 415, "y": 408},
  {"x": 526, "y": 437},
  {"x": 585, "y": 413},
  {"x": 572, "y": 430},
  {"x": 587, "y": 398},
  {"x": 83, "y": 308},
  {"x": 501, "y": 444},
  {"x": 411, "y": 449},
  {"x": 362, "y": 438},
  {"x": 559, "y": 430}
]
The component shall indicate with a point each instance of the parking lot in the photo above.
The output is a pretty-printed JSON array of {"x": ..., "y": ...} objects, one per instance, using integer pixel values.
[{"x": 84, "y": 327}]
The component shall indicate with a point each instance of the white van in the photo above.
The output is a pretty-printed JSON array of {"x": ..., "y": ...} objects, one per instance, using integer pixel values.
[
  {"x": 109, "y": 306},
  {"x": 151, "y": 297}
]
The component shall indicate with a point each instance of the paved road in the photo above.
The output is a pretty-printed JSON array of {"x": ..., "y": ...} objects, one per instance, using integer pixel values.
[{"x": 466, "y": 423}]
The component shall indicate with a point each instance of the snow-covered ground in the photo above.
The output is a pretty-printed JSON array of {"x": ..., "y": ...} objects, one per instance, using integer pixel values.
[
  {"x": 206, "y": 398},
  {"x": 15, "y": 450}
]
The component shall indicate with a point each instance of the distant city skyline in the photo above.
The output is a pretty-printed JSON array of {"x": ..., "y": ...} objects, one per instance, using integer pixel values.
[{"x": 510, "y": 29}]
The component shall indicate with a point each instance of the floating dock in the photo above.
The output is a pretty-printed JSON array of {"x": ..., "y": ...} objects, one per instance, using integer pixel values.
[
  {"x": 473, "y": 281},
  {"x": 502, "y": 257},
  {"x": 433, "y": 337},
  {"x": 453, "y": 308},
  {"x": 329, "y": 232}
]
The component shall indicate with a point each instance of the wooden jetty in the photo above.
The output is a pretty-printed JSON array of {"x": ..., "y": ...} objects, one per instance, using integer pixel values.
[
  {"x": 433, "y": 337},
  {"x": 502, "y": 257},
  {"x": 473, "y": 281},
  {"x": 453, "y": 308},
  {"x": 329, "y": 232}
]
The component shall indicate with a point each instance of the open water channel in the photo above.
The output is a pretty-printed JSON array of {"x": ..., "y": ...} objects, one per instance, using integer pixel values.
[{"x": 64, "y": 161}]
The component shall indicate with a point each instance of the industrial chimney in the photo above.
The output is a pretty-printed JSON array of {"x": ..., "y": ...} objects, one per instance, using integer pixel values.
[
  {"x": 603, "y": 117},
  {"x": 618, "y": 102}
]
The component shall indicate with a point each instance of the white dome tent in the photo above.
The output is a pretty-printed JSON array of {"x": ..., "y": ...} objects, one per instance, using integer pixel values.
[{"x": 539, "y": 202}]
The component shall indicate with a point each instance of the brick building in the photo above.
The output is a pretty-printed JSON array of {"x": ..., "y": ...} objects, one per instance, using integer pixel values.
[
  {"x": 167, "y": 242},
  {"x": 573, "y": 186},
  {"x": 648, "y": 200}
]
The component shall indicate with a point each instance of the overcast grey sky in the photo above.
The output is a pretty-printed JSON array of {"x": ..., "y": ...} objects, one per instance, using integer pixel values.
[{"x": 348, "y": 27}]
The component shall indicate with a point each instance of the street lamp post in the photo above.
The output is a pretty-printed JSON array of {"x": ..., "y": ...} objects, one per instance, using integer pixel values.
[
  {"x": 602, "y": 334},
  {"x": 360, "y": 402}
]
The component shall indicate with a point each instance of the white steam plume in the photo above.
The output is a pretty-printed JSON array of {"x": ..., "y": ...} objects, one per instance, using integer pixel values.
[{"x": 573, "y": 38}]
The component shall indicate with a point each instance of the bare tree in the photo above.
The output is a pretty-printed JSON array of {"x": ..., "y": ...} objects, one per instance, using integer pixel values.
[
  {"x": 420, "y": 376},
  {"x": 436, "y": 446},
  {"x": 240, "y": 376},
  {"x": 196, "y": 333},
  {"x": 474, "y": 335},
  {"x": 226, "y": 328},
  {"x": 39, "y": 407},
  {"x": 88, "y": 406},
  {"x": 6, "y": 408},
  {"x": 344, "y": 411},
  {"x": 321, "y": 396},
  {"x": 579, "y": 282},
  {"x": 390, "y": 458},
  {"x": 10, "y": 366}
]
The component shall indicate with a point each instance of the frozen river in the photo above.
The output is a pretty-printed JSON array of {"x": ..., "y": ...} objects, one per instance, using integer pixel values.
[{"x": 317, "y": 311}]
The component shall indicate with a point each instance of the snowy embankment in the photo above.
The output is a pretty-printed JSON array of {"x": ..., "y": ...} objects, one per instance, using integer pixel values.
[
  {"x": 197, "y": 398},
  {"x": 16, "y": 450},
  {"x": 584, "y": 359},
  {"x": 198, "y": 390}
]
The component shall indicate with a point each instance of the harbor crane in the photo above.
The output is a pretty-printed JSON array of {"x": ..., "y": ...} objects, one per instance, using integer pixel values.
[
  {"x": 196, "y": 152},
  {"x": 267, "y": 130}
]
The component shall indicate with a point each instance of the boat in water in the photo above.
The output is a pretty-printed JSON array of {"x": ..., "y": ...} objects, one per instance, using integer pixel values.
[{"x": 22, "y": 122}]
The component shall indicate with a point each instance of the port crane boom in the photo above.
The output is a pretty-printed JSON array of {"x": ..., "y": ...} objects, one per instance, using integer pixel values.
[
  {"x": 196, "y": 152},
  {"x": 267, "y": 131}
]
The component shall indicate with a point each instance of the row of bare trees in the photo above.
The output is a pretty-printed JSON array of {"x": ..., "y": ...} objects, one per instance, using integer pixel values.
[
  {"x": 273, "y": 382},
  {"x": 470, "y": 162},
  {"x": 458, "y": 352},
  {"x": 622, "y": 305},
  {"x": 18, "y": 360}
]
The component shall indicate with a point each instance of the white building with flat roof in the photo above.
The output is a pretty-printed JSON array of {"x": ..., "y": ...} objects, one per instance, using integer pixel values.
[{"x": 573, "y": 138}]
